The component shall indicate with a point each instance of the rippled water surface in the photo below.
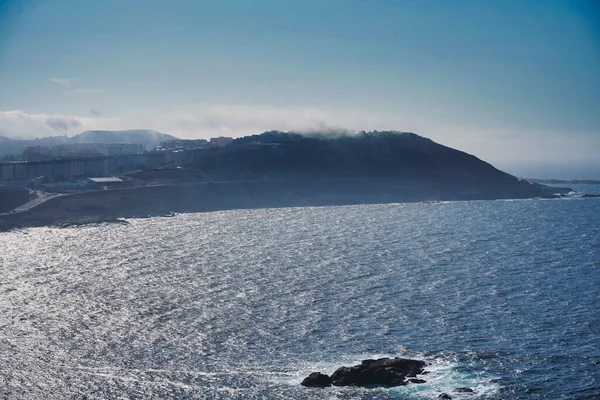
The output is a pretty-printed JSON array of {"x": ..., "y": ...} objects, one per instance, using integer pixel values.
[{"x": 500, "y": 296}]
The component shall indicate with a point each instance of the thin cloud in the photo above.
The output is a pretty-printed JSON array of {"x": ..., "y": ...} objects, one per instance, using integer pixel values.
[
  {"x": 207, "y": 121},
  {"x": 64, "y": 81},
  {"x": 22, "y": 125},
  {"x": 85, "y": 91},
  {"x": 62, "y": 124}
]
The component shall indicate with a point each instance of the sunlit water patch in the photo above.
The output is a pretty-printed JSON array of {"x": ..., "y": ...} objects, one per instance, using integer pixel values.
[{"x": 497, "y": 296}]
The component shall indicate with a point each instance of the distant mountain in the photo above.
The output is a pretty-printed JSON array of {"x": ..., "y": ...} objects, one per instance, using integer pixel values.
[
  {"x": 145, "y": 137},
  {"x": 12, "y": 146}
]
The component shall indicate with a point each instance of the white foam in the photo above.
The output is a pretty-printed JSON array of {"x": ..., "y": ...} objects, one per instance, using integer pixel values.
[{"x": 446, "y": 375}]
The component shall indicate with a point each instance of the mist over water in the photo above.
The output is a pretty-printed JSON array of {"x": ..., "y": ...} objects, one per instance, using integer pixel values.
[{"x": 500, "y": 296}]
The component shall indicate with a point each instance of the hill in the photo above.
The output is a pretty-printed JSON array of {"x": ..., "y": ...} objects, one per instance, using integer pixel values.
[
  {"x": 391, "y": 157},
  {"x": 397, "y": 155}
]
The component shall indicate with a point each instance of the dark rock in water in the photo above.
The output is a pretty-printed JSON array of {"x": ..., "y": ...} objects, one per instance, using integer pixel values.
[
  {"x": 445, "y": 396},
  {"x": 414, "y": 380},
  {"x": 92, "y": 221},
  {"x": 464, "y": 390},
  {"x": 317, "y": 379},
  {"x": 588, "y": 195},
  {"x": 373, "y": 373}
]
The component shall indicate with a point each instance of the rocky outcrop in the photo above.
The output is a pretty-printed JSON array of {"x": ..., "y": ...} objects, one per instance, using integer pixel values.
[
  {"x": 317, "y": 379},
  {"x": 91, "y": 221},
  {"x": 464, "y": 390},
  {"x": 371, "y": 373}
]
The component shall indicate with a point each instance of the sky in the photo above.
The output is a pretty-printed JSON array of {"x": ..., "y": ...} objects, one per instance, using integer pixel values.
[{"x": 514, "y": 82}]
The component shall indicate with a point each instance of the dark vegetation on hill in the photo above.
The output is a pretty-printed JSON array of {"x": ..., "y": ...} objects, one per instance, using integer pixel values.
[
  {"x": 392, "y": 155},
  {"x": 391, "y": 165}
]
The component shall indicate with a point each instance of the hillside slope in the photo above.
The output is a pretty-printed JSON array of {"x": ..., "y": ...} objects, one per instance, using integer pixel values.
[
  {"x": 394, "y": 155},
  {"x": 349, "y": 162}
]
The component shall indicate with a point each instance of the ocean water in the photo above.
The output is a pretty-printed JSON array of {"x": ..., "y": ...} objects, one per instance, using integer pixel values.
[{"x": 499, "y": 296}]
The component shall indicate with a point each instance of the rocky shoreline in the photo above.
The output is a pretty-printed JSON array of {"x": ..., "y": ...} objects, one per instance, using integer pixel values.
[{"x": 150, "y": 201}]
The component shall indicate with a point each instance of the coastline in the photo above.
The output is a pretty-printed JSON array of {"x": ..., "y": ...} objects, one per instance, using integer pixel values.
[{"x": 159, "y": 200}]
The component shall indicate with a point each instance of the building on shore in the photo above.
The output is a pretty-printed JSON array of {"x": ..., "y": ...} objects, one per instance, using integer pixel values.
[
  {"x": 220, "y": 141},
  {"x": 61, "y": 163},
  {"x": 181, "y": 144},
  {"x": 104, "y": 182},
  {"x": 20, "y": 173}
]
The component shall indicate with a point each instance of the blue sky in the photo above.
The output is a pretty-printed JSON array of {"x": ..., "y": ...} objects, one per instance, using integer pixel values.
[{"x": 515, "y": 82}]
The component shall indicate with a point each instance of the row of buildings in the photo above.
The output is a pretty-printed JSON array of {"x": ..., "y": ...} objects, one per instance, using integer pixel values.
[
  {"x": 66, "y": 162},
  {"x": 21, "y": 172},
  {"x": 92, "y": 150},
  {"x": 80, "y": 150}
]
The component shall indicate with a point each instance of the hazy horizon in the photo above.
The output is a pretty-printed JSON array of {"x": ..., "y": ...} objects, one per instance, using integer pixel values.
[{"x": 513, "y": 82}]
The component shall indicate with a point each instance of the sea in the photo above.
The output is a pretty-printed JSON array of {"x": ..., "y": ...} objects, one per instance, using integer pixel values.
[{"x": 499, "y": 296}]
